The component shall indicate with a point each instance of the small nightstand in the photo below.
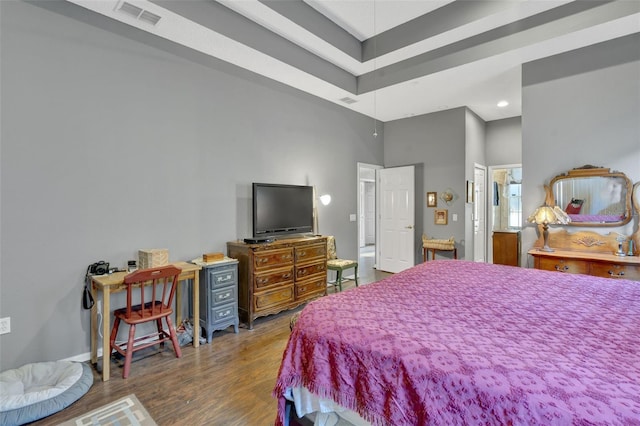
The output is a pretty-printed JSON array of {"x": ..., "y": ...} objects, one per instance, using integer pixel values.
[{"x": 219, "y": 296}]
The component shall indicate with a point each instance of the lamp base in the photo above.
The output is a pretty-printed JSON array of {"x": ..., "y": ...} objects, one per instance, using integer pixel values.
[{"x": 547, "y": 249}]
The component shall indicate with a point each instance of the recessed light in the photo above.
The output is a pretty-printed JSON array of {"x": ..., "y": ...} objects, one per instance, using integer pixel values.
[{"x": 502, "y": 104}]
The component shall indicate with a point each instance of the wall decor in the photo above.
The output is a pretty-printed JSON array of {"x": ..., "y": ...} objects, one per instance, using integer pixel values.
[
  {"x": 432, "y": 199},
  {"x": 470, "y": 197},
  {"x": 448, "y": 196},
  {"x": 440, "y": 216}
]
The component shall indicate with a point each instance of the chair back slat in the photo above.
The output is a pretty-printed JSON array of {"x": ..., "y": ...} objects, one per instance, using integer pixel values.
[{"x": 163, "y": 276}]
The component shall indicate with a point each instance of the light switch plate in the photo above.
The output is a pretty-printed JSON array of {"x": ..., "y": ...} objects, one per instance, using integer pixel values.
[
  {"x": 5, "y": 325},
  {"x": 352, "y": 217}
]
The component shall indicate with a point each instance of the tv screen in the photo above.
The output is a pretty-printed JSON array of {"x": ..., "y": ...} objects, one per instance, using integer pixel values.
[{"x": 282, "y": 209}]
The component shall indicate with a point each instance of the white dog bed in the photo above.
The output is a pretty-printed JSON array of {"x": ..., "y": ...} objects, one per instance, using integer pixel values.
[{"x": 38, "y": 390}]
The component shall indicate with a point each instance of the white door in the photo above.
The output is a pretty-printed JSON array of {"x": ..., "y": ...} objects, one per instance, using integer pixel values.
[
  {"x": 362, "y": 220},
  {"x": 479, "y": 214},
  {"x": 396, "y": 192}
]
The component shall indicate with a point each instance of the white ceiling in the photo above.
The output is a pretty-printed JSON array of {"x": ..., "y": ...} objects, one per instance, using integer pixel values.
[{"x": 422, "y": 55}]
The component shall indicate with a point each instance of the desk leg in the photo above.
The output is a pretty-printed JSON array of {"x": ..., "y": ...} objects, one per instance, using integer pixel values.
[
  {"x": 196, "y": 309},
  {"x": 179, "y": 303},
  {"x": 106, "y": 333},
  {"x": 94, "y": 325}
]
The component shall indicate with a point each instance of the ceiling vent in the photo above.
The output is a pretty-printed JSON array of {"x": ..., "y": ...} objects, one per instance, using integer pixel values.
[
  {"x": 138, "y": 13},
  {"x": 347, "y": 100}
]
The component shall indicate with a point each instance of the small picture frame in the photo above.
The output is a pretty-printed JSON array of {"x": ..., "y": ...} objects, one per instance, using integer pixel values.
[
  {"x": 440, "y": 216},
  {"x": 432, "y": 199},
  {"x": 470, "y": 191}
]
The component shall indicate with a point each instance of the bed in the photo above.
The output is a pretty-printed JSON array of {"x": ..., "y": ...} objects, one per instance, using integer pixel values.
[{"x": 455, "y": 342}]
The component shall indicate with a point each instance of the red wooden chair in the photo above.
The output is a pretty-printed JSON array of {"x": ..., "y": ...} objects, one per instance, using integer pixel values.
[{"x": 157, "y": 287}]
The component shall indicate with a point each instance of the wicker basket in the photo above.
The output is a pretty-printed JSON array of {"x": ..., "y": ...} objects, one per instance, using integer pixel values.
[{"x": 439, "y": 244}]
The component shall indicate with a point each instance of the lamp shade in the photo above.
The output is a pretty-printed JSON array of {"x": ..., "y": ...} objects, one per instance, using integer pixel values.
[
  {"x": 325, "y": 199},
  {"x": 548, "y": 215}
]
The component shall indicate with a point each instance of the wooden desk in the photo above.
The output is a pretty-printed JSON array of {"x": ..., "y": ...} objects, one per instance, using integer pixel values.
[{"x": 114, "y": 283}]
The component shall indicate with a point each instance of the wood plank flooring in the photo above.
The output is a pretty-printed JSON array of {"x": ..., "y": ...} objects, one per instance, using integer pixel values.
[{"x": 227, "y": 382}]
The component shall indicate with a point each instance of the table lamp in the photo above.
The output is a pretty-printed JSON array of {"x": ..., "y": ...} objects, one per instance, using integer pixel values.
[{"x": 546, "y": 215}]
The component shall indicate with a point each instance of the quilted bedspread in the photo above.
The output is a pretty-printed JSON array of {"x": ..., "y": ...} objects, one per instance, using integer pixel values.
[{"x": 462, "y": 343}]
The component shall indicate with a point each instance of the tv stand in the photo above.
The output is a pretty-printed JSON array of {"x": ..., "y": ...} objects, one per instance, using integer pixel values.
[{"x": 278, "y": 276}]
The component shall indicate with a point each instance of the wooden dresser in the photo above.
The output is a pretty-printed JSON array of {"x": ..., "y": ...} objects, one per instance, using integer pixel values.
[
  {"x": 506, "y": 248},
  {"x": 587, "y": 253},
  {"x": 273, "y": 277}
]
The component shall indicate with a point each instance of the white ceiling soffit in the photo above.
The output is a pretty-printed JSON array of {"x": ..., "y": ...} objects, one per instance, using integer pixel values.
[{"x": 413, "y": 56}]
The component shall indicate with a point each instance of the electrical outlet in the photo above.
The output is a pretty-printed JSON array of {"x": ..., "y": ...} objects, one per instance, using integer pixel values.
[{"x": 5, "y": 325}]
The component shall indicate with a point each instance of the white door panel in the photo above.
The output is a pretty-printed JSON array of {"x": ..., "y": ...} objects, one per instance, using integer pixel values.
[{"x": 397, "y": 211}]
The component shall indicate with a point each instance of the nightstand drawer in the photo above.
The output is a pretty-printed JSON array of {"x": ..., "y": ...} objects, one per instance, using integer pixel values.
[
  {"x": 223, "y": 295},
  {"x": 222, "y": 277},
  {"x": 562, "y": 265},
  {"x": 628, "y": 272},
  {"x": 222, "y": 313}
]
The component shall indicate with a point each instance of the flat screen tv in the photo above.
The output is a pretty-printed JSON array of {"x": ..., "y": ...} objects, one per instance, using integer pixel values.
[{"x": 282, "y": 209}]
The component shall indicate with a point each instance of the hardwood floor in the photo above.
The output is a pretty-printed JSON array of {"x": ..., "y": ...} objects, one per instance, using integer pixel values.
[{"x": 227, "y": 382}]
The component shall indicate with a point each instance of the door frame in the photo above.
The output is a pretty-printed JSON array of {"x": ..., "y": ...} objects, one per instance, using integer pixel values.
[
  {"x": 359, "y": 167},
  {"x": 490, "y": 221},
  {"x": 479, "y": 166}
]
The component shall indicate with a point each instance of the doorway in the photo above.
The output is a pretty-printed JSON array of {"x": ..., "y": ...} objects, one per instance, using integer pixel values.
[
  {"x": 505, "y": 200},
  {"x": 367, "y": 217},
  {"x": 479, "y": 214}
]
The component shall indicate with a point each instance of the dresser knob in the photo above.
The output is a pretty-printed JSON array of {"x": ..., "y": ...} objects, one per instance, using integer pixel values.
[
  {"x": 618, "y": 275},
  {"x": 564, "y": 268}
]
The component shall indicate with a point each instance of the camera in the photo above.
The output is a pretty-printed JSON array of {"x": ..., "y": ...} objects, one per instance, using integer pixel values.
[{"x": 99, "y": 268}]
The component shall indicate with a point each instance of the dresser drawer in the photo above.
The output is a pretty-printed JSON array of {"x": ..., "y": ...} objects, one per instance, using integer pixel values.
[
  {"x": 273, "y": 298},
  {"x": 305, "y": 271},
  {"x": 628, "y": 272},
  {"x": 222, "y": 277},
  {"x": 310, "y": 288},
  {"x": 273, "y": 258},
  {"x": 313, "y": 251},
  {"x": 223, "y": 295},
  {"x": 222, "y": 313},
  {"x": 272, "y": 278},
  {"x": 562, "y": 265}
]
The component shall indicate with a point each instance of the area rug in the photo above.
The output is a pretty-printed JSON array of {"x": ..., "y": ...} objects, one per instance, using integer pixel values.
[{"x": 127, "y": 411}]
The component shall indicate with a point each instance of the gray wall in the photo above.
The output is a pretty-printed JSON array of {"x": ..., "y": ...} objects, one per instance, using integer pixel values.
[
  {"x": 437, "y": 141},
  {"x": 504, "y": 141},
  {"x": 578, "y": 108},
  {"x": 114, "y": 140}
]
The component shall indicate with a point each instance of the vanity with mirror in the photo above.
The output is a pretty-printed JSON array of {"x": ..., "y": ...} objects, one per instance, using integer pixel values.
[{"x": 592, "y": 197}]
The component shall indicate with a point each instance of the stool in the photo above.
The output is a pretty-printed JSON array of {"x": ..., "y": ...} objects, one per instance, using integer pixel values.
[
  {"x": 433, "y": 252},
  {"x": 434, "y": 245}
]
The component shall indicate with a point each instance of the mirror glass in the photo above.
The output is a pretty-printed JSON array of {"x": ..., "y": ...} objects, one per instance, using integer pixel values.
[{"x": 593, "y": 196}]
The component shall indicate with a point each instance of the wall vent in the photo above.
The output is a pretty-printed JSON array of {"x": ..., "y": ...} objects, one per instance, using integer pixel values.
[
  {"x": 348, "y": 100},
  {"x": 138, "y": 13}
]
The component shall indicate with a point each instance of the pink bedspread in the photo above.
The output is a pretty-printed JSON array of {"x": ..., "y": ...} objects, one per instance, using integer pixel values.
[{"x": 462, "y": 343}]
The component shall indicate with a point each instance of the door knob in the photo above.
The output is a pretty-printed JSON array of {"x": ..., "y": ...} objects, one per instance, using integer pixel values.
[{"x": 409, "y": 226}]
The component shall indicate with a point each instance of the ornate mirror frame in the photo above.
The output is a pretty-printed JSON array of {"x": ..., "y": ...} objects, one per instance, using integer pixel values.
[{"x": 594, "y": 196}]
